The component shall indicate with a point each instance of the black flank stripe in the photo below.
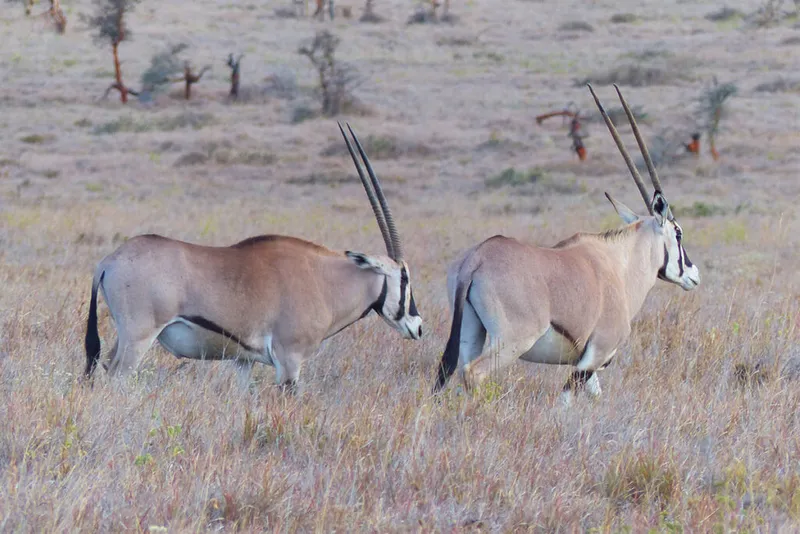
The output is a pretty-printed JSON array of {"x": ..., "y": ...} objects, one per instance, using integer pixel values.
[
  {"x": 403, "y": 285},
  {"x": 214, "y": 327},
  {"x": 563, "y": 331}
]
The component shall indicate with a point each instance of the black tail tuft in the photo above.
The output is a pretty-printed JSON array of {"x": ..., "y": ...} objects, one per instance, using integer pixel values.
[
  {"x": 92, "y": 343},
  {"x": 451, "y": 351}
]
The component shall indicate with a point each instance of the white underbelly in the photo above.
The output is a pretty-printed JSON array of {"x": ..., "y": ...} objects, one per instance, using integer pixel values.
[
  {"x": 552, "y": 348},
  {"x": 188, "y": 340}
]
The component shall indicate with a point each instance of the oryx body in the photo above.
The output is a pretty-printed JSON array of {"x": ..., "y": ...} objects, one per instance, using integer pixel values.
[
  {"x": 571, "y": 304},
  {"x": 271, "y": 299}
]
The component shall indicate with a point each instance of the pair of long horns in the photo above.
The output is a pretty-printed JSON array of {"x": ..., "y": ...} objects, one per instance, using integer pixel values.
[
  {"x": 642, "y": 147},
  {"x": 376, "y": 199}
]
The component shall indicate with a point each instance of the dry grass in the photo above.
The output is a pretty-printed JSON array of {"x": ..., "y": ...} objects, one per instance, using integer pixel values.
[{"x": 697, "y": 428}]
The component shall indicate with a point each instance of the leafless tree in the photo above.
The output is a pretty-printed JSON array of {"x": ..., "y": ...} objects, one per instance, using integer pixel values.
[
  {"x": 234, "y": 65},
  {"x": 55, "y": 13}
]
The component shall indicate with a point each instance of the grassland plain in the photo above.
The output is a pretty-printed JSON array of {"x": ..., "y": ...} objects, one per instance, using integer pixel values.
[{"x": 698, "y": 426}]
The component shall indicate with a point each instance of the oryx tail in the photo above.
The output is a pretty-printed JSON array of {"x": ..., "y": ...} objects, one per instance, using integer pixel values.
[
  {"x": 92, "y": 342},
  {"x": 452, "y": 350}
]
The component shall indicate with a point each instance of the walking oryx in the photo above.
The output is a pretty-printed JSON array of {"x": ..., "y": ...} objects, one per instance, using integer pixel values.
[
  {"x": 571, "y": 304},
  {"x": 271, "y": 299}
]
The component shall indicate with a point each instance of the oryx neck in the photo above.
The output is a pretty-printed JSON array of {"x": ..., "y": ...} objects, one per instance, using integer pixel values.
[
  {"x": 356, "y": 292},
  {"x": 637, "y": 252}
]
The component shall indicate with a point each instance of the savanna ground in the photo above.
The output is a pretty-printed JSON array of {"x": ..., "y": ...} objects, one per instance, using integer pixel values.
[{"x": 697, "y": 429}]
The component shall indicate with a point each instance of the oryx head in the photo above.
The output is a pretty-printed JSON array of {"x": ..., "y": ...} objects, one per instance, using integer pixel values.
[
  {"x": 396, "y": 302},
  {"x": 676, "y": 268}
]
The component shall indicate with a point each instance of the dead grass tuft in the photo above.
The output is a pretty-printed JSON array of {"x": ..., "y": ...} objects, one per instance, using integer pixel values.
[
  {"x": 576, "y": 26},
  {"x": 725, "y": 14},
  {"x": 642, "y": 478},
  {"x": 136, "y": 124},
  {"x": 383, "y": 147},
  {"x": 779, "y": 85},
  {"x": 624, "y": 18}
]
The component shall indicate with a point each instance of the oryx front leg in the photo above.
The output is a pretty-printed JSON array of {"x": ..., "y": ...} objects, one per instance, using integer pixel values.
[
  {"x": 244, "y": 369},
  {"x": 585, "y": 378},
  {"x": 288, "y": 362}
]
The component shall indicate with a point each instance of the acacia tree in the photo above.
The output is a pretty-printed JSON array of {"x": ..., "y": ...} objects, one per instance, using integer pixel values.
[
  {"x": 336, "y": 79},
  {"x": 712, "y": 105},
  {"x": 109, "y": 23}
]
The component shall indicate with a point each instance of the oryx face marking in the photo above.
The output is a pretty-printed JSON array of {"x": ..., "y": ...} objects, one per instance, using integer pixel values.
[
  {"x": 396, "y": 304},
  {"x": 677, "y": 268}
]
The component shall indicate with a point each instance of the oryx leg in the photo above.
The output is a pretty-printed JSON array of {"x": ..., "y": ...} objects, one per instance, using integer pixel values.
[
  {"x": 129, "y": 351},
  {"x": 288, "y": 361},
  {"x": 499, "y": 356},
  {"x": 585, "y": 378},
  {"x": 111, "y": 354},
  {"x": 473, "y": 335}
]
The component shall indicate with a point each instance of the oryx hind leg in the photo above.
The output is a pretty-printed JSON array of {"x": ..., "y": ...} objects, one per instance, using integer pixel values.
[
  {"x": 498, "y": 356},
  {"x": 473, "y": 335},
  {"x": 128, "y": 353}
]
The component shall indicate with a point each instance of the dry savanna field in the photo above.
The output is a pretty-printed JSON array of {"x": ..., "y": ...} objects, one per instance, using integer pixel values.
[{"x": 698, "y": 427}]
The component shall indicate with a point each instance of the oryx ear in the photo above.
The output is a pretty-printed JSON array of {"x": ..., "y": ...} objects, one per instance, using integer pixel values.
[
  {"x": 366, "y": 262},
  {"x": 661, "y": 209},
  {"x": 622, "y": 210}
]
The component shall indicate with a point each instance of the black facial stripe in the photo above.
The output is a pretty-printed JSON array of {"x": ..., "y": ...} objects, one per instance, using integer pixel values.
[
  {"x": 680, "y": 259},
  {"x": 403, "y": 284},
  {"x": 686, "y": 259},
  {"x": 662, "y": 272},
  {"x": 202, "y": 322},
  {"x": 412, "y": 307},
  {"x": 378, "y": 305}
]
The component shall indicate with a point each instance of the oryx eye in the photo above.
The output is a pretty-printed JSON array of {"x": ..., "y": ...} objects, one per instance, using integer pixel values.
[{"x": 678, "y": 233}]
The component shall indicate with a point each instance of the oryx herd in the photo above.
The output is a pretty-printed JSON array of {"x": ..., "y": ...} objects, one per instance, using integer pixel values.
[{"x": 273, "y": 299}]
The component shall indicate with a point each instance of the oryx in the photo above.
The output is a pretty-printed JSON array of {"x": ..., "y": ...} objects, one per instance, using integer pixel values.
[
  {"x": 571, "y": 304},
  {"x": 271, "y": 299}
]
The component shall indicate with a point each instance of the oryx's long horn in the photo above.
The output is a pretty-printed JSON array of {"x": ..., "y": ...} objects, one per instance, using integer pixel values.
[
  {"x": 631, "y": 167},
  {"x": 642, "y": 147},
  {"x": 387, "y": 213},
  {"x": 376, "y": 208}
]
